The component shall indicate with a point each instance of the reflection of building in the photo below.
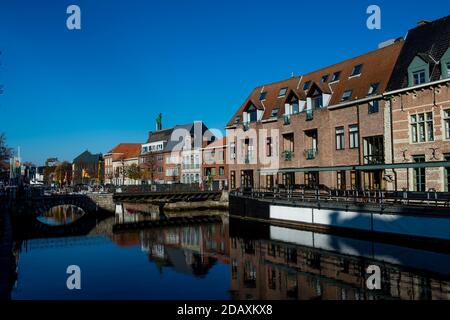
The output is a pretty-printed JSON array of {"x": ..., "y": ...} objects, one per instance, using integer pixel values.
[
  {"x": 264, "y": 269},
  {"x": 190, "y": 249}
]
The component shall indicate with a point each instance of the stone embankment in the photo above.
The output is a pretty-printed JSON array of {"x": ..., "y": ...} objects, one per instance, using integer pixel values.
[{"x": 105, "y": 201}]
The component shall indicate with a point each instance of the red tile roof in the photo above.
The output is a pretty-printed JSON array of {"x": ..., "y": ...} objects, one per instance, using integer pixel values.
[
  {"x": 377, "y": 67},
  {"x": 127, "y": 150}
]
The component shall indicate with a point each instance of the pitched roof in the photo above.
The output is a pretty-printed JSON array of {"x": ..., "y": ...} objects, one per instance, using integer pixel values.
[
  {"x": 127, "y": 150},
  {"x": 87, "y": 157},
  {"x": 429, "y": 41},
  {"x": 195, "y": 129},
  {"x": 160, "y": 135},
  {"x": 377, "y": 67}
]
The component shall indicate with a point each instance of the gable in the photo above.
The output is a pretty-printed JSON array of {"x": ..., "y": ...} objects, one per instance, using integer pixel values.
[
  {"x": 445, "y": 61},
  {"x": 418, "y": 64}
]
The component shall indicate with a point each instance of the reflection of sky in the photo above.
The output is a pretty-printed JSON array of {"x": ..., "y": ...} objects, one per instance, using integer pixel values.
[
  {"x": 111, "y": 272},
  {"x": 399, "y": 255},
  {"x": 61, "y": 215}
]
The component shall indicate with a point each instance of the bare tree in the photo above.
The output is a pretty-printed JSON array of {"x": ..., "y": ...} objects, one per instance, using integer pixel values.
[{"x": 5, "y": 155}]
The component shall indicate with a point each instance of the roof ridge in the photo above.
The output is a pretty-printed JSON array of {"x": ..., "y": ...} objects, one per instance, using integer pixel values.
[{"x": 356, "y": 57}]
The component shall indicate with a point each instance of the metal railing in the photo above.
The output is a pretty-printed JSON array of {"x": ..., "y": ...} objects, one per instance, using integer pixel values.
[
  {"x": 288, "y": 155},
  {"x": 303, "y": 194},
  {"x": 310, "y": 154}
]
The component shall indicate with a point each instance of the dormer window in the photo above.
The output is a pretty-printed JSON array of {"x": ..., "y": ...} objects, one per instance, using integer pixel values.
[
  {"x": 445, "y": 67},
  {"x": 306, "y": 85},
  {"x": 357, "y": 70},
  {"x": 346, "y": 95},
  {"x": 317, "y": 102},
  {"x": 252, "y": 113},
  {"x": 336, "y": 76},
  {"x": 282, "y": 92},
  {"x": 419, "y": 77},
  {"x": 274, "y": 113},
  {"x": 419, "y": 70},
  {"x": 262, "y": 96},
  {"x": 237, "y": 119},
  {"x": 373, "y": 88},
  {"x": 324, "y": 78}
]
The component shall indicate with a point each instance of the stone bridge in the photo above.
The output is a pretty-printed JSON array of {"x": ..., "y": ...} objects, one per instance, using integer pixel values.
[{"x": 27, "y": 226}]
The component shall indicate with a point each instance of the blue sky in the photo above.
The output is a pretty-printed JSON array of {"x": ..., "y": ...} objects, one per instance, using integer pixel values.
[{"x": 68, "y": 91}]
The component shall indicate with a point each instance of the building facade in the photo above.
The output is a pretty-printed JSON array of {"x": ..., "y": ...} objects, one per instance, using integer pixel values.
[
  {"x": 88, "y": 168},
  {"x": 311, "y": 130},
  {"x": 214, "y": 165},
  {"x": 379, "y": 121},
  {"x": 122, "y": 164},
  {"x": 174, "y": 155},
  {"x": 419, "y": 107},
  {"x": 153, "y": 156}
]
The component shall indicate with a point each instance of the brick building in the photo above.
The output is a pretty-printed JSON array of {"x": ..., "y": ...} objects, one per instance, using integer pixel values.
[
  {"x": 214, "y": 167},
  {"x": 311, "y": 130},
  {"x": 419, "y": 100},
  {"x": 153, "y": 156},
  {"x": 117, "y": 162},
  {"x": 174, "y": 155}
]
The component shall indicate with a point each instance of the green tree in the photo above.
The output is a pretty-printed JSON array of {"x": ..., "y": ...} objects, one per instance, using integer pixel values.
[{"x": 134, "y": 172}]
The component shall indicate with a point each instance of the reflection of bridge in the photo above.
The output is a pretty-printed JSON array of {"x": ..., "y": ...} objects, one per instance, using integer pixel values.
[
  {"x": 63, "y": 242},
  {"x": 27, "y": 226}
]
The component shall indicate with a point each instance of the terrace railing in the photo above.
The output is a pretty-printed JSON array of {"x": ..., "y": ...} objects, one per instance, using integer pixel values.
[{"x": 301, "y": 193}]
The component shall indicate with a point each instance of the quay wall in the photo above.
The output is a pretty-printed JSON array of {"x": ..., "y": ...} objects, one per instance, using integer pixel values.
[
  {"x": 422, "y": 223},
  {"x": 103, "y": 200}
]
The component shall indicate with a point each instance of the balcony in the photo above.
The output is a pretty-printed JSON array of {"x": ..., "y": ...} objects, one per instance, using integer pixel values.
[
  {"x": 309, "y": 115},
  {"x": 287, "y": 119},
  {"x": 288, "y": 155},
  {"x": 246, "y": 126},
  {"x": 247, "y": 158},
  {"x": 374, "y": 159},
  {"x": 310, "y": 154}
]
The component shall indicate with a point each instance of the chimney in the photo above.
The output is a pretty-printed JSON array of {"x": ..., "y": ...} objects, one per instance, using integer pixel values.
[{"x": 422, "y": 22}]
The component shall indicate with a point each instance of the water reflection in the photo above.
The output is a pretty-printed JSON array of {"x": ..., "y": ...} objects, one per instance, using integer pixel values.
[
  {"x": 226, "y": 260},
  {"x": 61, "y": 215},
  {"x": 193, "y": 249},
  {"x": 136, "y": 212},
  {"x": 272, "y": 263}
]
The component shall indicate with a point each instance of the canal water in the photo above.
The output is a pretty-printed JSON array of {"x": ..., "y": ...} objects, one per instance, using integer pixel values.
[{"x": 231, "y": 259}]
